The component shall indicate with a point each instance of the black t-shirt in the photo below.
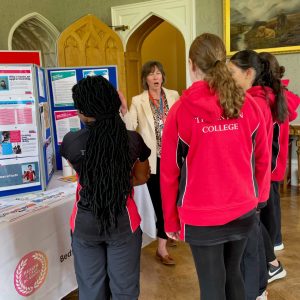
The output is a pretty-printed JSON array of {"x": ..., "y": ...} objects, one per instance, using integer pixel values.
[
  {"x": 73, "y": 148},
  {"x": 74, "y": 145}
]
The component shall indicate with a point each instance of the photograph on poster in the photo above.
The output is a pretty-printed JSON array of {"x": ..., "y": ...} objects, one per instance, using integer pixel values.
[
  {"x": 4, "y": 85},
  {"x": 28, "y": 172},
  {"x": 18, "y": 142},
  {"x": 10, "y": 142},
  {"x": 94, "y": 72}
]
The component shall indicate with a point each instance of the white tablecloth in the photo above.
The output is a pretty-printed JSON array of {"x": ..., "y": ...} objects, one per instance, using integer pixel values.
[
  {"x": 35, "y": 250},
  {"x": 144, "y": 204}
]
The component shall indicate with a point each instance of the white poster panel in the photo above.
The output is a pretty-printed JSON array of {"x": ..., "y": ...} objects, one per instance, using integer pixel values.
[
  {"x": 62, "y": 83},
  {"x": 16, "y": 83},
  {"x": 66, "y": 121}
]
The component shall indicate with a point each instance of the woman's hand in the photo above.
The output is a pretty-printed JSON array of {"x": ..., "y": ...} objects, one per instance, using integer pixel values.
[
  {"x": 173, "y": 235},
  {"x": 123, "y": 107}
]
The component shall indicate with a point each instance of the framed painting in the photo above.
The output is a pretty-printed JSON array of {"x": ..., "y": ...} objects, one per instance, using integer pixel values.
[{"x": 272, "y": 26}]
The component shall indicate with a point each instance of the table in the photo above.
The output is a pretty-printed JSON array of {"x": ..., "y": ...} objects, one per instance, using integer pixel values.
[{"x": 35, "y": 251}]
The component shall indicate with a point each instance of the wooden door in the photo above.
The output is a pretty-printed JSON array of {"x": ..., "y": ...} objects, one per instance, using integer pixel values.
[
  {"x": 133, "y": 56},
  {"x": 89, "y": 42}
]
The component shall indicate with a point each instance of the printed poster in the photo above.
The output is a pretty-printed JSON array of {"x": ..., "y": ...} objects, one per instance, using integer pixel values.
[
  {"x": 15, "y": 84},
  {"x": 66, "y": 121},
  {"x": 62, "y": 83},
  {"x": 19, "y": 173},
  {"x": 94, "y": 72},
  {"x": 18, "y": 143}
]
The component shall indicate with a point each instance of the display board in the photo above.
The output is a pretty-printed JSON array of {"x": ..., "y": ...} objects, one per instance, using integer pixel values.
[
  {"x": 22, "y": 167},
  {"x": 64, "y": 115},
  {"x": 45, "y": 125}
]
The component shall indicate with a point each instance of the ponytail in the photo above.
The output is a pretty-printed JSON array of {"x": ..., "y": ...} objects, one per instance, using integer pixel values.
[
  {"x": 208, "y": 53},
  {"x": 231, "y": 97},
  {"x": 271, "y": 77}
]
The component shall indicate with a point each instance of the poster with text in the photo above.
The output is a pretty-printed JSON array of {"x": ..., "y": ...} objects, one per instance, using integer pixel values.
[
  {"x": 62, "y": 83},
  {"x": 66, "y": 121},
  {"x": 20, "y": 173},
  {"x": 16, "y": 84},
  {"x": 17, "y": 115},
  {"x": 18, "y": 143}
]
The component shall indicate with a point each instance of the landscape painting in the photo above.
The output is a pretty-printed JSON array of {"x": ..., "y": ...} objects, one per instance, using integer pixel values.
[{"x": 272, "y": 25}]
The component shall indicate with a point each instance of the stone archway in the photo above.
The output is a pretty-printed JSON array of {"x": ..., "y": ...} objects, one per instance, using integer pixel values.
[{"x": 35, "y": 32}]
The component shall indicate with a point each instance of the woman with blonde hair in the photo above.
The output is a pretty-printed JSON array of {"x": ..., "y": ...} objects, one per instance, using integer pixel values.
[{"x": 215, "y": 170}]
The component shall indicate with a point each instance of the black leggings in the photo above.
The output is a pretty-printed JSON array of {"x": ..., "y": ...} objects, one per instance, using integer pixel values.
[{"x": 219, "y": 272}]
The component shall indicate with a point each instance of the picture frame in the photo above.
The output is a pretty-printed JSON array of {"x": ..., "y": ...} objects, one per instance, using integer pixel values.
[{"x": 270, "y": 26}]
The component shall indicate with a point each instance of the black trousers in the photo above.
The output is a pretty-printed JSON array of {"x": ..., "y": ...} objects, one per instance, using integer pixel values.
[
  {"x": 154, "y": 190},
  {"x": 270, "y": 214},
  {"x": 219, "y": 270},
  {"x": 254, "y": 265},
  {"x": 108, "y": 269},
  {"x": 277, "y": 209},
  {"x": 268, "y": 245}
]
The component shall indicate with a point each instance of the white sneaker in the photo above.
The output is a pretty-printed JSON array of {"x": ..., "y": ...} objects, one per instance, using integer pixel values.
[
  {"x": 276, "y": 272},
  {"x": 279, "y": 247},
  {"x": 263, "y": 296}
]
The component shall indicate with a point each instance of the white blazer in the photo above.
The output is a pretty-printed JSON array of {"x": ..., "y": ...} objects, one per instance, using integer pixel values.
[{"x": 140, "y": 118}]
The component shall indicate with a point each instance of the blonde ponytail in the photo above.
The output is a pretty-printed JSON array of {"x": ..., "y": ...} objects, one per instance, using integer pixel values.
[
  {"x": 208, "y": 53},
  {"x": 231, "y": 97}
]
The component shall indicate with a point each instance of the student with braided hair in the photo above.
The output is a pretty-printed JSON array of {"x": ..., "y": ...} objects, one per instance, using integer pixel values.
[{"x": 109, "y": 160}]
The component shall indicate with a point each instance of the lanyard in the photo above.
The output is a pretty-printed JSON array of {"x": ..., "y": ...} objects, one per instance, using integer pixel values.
[{"x": 160, "y": 108}]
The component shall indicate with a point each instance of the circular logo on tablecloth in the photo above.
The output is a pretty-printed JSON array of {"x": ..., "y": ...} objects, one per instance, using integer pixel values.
[{"x": 31, "y": 272}]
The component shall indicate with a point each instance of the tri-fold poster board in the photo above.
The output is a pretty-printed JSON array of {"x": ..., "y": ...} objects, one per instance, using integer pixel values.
[{"x": 36, "y": 111}]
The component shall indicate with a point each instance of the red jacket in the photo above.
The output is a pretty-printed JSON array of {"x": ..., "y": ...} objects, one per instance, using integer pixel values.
[
  {"x": 213, "y": 170},
  {"x": 259, "y": 95},
  {"x": 280, "y": 130}
]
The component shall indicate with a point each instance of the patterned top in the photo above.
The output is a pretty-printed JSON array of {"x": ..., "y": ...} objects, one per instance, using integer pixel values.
[{"x": 160, "y": 111}]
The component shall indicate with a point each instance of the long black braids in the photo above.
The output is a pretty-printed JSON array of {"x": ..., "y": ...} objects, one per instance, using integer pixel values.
[{"x": 105, "y": 170}]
